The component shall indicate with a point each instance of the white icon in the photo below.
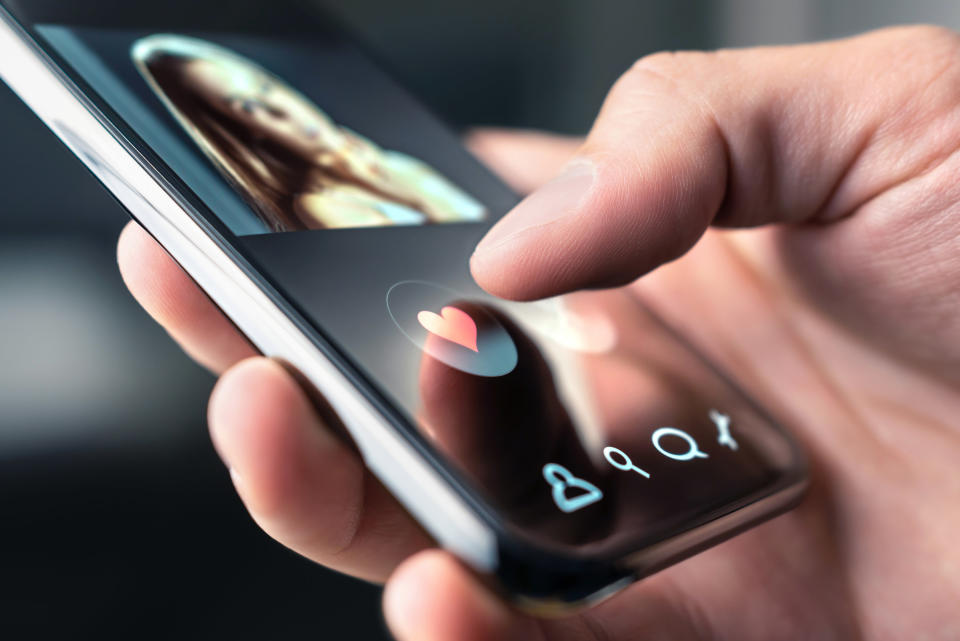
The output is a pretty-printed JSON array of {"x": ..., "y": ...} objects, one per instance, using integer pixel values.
[
  {"x": 722, "y": 421},
  {"x": 624, "y": 463},
  {"x": 693, "y": 450},
  {"x": 561, "y": 480}
]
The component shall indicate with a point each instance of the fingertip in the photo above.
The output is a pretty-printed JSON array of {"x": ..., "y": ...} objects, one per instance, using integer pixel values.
[
  {"x": 176, "y": 302},
  {"x": 255, "y": 391},
  {"x": 152, "y": 276},
  {"x": 300, "y": 482},
  {"x": 136, "y": 257},
  {"x": 281, "y": 456},
  {"x": 486, "y": 273},
  {"x": 249, "y": 392},
  {"x": 431, "y": 596},
  {"x": 129, "y": 237},
  {"x": 506, "y": 274}
]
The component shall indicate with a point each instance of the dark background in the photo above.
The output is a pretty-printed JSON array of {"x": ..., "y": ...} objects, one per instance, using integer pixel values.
[{"x": 116, "y": 518}]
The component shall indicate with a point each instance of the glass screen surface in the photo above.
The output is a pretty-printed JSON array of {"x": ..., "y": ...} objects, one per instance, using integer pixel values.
[{"x": 583, "y": 421}]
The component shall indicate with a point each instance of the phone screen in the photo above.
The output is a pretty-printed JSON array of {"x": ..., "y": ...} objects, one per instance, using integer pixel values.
[{"x": 583, "y": 422}]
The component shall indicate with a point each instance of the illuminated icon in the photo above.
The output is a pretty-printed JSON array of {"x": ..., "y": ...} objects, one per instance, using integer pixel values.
[
  {"x": 619, "y": 459},
  {"x": 561, "y": 480},
  {"x": 722, "y": 421},
  {"x": 693, "y": 450},
  {"x": 451, "y": 328},
  {"x": 451, "y": 324}
]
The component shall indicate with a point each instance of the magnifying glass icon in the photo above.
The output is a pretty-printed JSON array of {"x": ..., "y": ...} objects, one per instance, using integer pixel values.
[
  {"x": 693, "y": 450},
  {"x": 619, "y": 459}
]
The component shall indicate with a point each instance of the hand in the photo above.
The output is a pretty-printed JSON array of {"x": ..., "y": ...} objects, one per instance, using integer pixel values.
[{"x": 841, "y": 315}]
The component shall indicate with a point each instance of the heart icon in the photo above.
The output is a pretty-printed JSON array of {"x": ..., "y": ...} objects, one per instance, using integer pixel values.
[
  {"x": 452, "y": 324},
  {"x": 561, "y": 480}
]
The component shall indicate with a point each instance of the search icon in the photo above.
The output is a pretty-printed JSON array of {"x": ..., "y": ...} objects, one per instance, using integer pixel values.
[
  {"x": 624, "y": 463},
  {"x": 693, "y": 450}
]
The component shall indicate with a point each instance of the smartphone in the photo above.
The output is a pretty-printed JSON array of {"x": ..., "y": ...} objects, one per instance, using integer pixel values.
[{"x": 561, "y": 448}]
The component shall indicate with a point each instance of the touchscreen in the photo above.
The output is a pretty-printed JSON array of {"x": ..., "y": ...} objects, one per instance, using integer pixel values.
[{"x": 582, "y": 421}]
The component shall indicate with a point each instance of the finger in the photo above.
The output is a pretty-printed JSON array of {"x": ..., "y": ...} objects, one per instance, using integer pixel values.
[
  {"x": 524, "y": 159},
  {"x": 432, "y": 597},
  {"x": 742, "y": 138},
  {"x": 301, "y": 483},
  {"x": 175, "y": 301}
]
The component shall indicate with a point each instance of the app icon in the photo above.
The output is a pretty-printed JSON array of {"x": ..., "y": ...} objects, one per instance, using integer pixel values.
[
  {"x": 619, "y": 459},
  {"x": 724, "y": 437},
  {"x": 693, "y": 450},
  {"x": 462, "y": 332},
  {"x": 451, "y": 324},
  {"x": 562, "y": 481}
]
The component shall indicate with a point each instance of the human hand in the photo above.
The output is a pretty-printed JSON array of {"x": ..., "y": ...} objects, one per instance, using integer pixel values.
[{"x": 840, "y": 316}]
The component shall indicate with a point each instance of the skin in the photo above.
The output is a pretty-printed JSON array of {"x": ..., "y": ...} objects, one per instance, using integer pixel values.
[{"x": 839, "y": 310}]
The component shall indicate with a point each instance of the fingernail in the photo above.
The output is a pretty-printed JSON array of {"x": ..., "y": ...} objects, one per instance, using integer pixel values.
[{"x": 554, "y": 201}]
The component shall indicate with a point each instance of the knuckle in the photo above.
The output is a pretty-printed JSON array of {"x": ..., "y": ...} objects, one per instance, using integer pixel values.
[
  {"x": 687, "y": 78},
  {"x": 930, "y": 56},
  {"x": 944, "y": 46},
  {"x": 678, "y": 76},
  {"x": 935, "y": 36},
  {"x": 928, "y": 48},
  {"x": 677, "y": 67}
]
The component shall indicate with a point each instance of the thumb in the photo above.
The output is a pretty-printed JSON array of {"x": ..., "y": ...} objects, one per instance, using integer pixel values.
[
  {"x": 739, "y": 138},
  {"x": 631, "y": 199}
]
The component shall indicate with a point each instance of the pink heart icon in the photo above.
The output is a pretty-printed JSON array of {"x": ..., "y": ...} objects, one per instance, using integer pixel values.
[{"x": 452, "y": 324}]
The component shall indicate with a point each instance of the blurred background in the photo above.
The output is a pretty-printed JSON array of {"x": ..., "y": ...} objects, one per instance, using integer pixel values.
[{"x": 116, "y": 518}]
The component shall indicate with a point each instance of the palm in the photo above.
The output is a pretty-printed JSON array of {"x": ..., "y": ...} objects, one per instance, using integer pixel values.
[{"x": 880, "y": 516}]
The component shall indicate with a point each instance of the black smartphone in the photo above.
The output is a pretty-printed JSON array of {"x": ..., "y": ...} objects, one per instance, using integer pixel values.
[{"x": 563, "y": 448}]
